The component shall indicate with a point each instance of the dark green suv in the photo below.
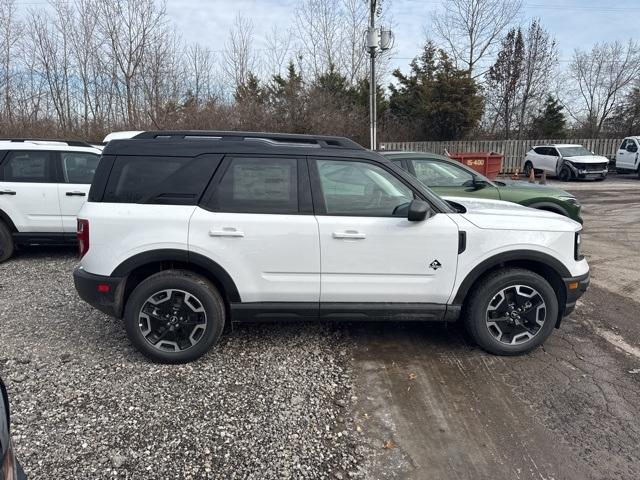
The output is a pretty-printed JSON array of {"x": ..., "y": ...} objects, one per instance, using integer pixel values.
[{"x": 447, "y": 177}]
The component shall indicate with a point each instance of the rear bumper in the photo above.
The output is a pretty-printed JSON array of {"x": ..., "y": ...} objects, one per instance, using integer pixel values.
[
  {"x": 575, "y": 288},
  {"x": 102, "y": 292}
]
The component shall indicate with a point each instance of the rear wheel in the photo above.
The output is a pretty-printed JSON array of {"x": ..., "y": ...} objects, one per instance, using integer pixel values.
[
  {"x": 511, "y": 312},
  {"x": 6, "y": 243},
  {"x": 174, "y": 316},
  {"x": 528, "y": 166},
  {"x": 565, "y": 174}
]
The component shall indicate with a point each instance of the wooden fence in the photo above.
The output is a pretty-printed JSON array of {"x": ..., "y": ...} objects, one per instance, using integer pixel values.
[{"x": 513, "y": 150}]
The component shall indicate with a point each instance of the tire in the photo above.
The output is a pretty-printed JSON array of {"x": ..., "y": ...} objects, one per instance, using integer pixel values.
[
  {"x": 565, "y": 174},
  {"x": 527, "y": 169},
  {"x": 199, "y": 302},
  {"x": 500, "y": 337},
  {"x": 6, "y": 243}
]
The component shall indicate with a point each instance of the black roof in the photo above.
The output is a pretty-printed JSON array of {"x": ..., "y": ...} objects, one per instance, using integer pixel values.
[{"x": 195, "y": 142}]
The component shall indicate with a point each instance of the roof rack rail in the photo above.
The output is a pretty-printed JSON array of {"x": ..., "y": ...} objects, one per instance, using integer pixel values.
[
  {"x": 274, "y": 139},
  {"x": 71, "y": 143}
]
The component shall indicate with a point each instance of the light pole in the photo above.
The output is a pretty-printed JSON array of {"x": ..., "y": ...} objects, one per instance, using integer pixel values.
[{"x": 378, "y": 40}]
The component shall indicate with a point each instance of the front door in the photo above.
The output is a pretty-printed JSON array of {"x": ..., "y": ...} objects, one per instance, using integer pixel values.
[
  {"x": 627, "y": 154},
  {"x": 370, "y": 253},
  {"x": 28, "y": 192},
  {"x": 77, "y": 173},
  {"x": 259, "y": 226}
]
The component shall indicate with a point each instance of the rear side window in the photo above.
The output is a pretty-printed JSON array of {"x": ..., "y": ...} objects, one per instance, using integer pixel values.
[
  {"x": 540, "y": 150},
  {"x": 27, "y": 167},
  {"x": 165, "y": 180},
  {"x": 78, "y": 167},
  {"x": 258, "y": 185}
]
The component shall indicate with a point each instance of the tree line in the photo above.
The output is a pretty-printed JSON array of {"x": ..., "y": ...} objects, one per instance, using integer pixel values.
[{"x": 83, "y": 68}]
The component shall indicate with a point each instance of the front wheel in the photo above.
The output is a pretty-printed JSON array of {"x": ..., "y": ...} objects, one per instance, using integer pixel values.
[
  {"x": 6, "y": 243},
  {"x": 174, "y": 316},
  {"x": 565, "y": 174},
  {"x": 511, "y": 312}
]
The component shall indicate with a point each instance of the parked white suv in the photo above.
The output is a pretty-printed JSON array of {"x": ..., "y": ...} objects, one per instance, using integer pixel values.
[
  {"x": 566, "y": 161},
  {"x": 628, "y": 156},
  {"x": 186, "y": 232},
  {"x": 43, "y": 184}
]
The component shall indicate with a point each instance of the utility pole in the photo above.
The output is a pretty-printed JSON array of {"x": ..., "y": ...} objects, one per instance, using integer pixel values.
[{"x": 377, "y": 40}]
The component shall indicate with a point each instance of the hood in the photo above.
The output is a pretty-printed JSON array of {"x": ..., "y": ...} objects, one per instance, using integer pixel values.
[
  {"x": 499, "y": 215},
  {"x": 587, "y": 159}
]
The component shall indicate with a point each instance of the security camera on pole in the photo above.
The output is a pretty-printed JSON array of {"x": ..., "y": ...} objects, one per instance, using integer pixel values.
[{"x": 377, "y": 40}]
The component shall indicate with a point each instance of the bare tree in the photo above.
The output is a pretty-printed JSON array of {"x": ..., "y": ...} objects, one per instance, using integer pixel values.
[
  {"x": 602, "y": 76},
  {"x": 470, "y": 29},
  {"x": 239, "y": 56},
  {"x": 279, "y": 44},
  {"x": 540, "y": 61},
  {"x": 9, "y": 37},
  {"x": 131, "y": 27},
  {"x": 199, "y": 68}
]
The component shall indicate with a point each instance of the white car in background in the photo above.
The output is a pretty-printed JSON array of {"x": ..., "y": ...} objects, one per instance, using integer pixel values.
[
  {"x": 628, "y": 156},
  {"x": 566, "y": 161}
]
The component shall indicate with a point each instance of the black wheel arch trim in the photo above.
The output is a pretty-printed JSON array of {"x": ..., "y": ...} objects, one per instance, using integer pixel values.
[
  {"x": 550, "y": 207},
  {"x": 7, "y": 220},
  {"x": 505, "y": 257},
  {"x": 177, "y": 255}
]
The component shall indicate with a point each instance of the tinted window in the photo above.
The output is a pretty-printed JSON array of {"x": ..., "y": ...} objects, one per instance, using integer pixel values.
[
  {"x": 361, "y": 189},
  {"x": 78, "y": 167},
  {"x": 624, "y": 145},
  {"x": 440, "y": 174},
  {"x": 136, "y": 178},
  {"x": 632, "y": 146},
  {"x": 540, "y": 150},
  {"x": 31, "y": 167},
  {"x": 552, "y": 151},
  {"x": 258, "y": 185}
]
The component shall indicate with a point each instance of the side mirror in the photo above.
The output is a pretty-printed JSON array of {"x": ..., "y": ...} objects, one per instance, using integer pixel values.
[
  {"x": 479, "y": 184},
  {"x": 419, "y": 210}
]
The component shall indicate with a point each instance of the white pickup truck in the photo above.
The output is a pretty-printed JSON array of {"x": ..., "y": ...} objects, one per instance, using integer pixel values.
[{"x": 628, "y": 156}]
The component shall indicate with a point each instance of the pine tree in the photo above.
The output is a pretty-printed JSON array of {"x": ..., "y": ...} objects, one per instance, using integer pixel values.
[{"x": 550, "y": 122}]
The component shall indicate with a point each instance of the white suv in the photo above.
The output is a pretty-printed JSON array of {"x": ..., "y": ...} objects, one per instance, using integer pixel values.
[
  {"x": 186, "y": 232},
  {"x": 43, "y": 184},
  {"x": 566, "y": 161}
]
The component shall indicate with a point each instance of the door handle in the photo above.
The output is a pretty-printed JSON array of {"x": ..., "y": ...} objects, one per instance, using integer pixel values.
[
  {"x": 352, "y": 234},
  {"x": 226, "y": 232},
  {"x": 76, "y": 194},
  {"x": 7, "y": 192}
]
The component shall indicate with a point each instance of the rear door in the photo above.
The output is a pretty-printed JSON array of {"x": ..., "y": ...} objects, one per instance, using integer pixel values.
[
  {"x": 370, "y": 253},
  {"x": 76, "y": 173},
  {"x": 257, "y": 222},
  {"x": 28, "y": 192}
]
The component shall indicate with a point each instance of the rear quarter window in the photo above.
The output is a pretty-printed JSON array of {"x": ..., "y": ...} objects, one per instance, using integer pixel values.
[{"x": 164, "y": 180}]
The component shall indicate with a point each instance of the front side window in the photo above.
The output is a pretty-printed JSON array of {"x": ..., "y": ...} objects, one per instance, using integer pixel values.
[
  {"x": 440, "y": 174},
  {"x": 258, "y": 185},
  {"x": 27, "y": 167},
  {"x": 79, "y": 167},
  {"x": 361, "y": 189},
  {"x": 632, "y": 146}
]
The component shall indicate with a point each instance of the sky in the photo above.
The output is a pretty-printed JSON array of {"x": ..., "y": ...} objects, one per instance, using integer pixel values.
[{"x": 574, "y": 23}]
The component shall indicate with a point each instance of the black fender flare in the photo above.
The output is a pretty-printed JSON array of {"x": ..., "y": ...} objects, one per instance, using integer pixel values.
[
  {"x": 183, "y": 256},
  {"x": 7, "y": 220},
  {"x": 505, "y": 257},
  {"x": 550, "y": 207}
]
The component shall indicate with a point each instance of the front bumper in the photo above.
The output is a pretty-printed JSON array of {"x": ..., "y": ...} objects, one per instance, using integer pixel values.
[
  {"x": 102, "y": 292},
  {"x": 575, "y": 288}
]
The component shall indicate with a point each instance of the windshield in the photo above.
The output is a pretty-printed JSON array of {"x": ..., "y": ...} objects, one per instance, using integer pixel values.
[{"x": 574, "y": 151}]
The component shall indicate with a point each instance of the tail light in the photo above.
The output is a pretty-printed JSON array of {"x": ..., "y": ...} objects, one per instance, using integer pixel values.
[{"x": 83, "y": 236}]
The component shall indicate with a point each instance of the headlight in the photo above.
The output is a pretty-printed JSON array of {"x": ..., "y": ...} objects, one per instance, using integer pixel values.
[
  {"x": 577, "y": 254},
  {"x": 571, "y": 200}
]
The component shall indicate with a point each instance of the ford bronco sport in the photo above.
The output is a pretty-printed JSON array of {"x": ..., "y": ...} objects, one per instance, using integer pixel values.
[{"x": 185, "y": 233}]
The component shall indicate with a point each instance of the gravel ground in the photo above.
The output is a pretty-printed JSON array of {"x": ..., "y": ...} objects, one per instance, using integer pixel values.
[{"x": 271, "y": 401}]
